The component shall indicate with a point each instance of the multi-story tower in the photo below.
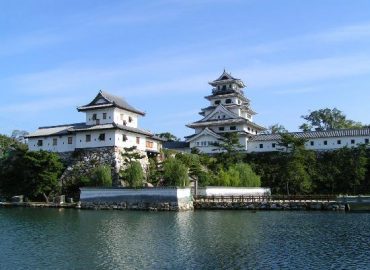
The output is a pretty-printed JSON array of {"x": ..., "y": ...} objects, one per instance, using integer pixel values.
[{"x": 229, "y": 111}]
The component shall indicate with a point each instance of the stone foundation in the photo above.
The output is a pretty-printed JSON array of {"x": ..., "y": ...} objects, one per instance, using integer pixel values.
[
  {"x": 84, "y": 160},
  {"x": 155, "y": 199},
  {"x": 322, "y": 206}
]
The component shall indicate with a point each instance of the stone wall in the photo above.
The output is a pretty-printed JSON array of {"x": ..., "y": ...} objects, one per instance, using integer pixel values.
[
  {"x": 85, "y": 160},
  {"x": 171, "y": 199}
]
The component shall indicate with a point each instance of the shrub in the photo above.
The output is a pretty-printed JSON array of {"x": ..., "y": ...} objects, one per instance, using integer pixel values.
[
  {"x": 101, "y": 176},
  {"x": 175, "y": 173},
  {"x": 134, "y": 174}
]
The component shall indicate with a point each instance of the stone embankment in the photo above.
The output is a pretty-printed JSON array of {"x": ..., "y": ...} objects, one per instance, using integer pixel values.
[
  {"x": 160, "y": 206},
  {"x": 163, "y": 206},
  {"x": 323, "y": 206}
]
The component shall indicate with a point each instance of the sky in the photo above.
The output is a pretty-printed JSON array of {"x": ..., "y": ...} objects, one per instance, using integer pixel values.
[{"x": 294, "y": 56}]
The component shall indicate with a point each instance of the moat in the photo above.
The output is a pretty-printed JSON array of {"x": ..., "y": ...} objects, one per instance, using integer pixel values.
[{"x": 74, "y": 239}]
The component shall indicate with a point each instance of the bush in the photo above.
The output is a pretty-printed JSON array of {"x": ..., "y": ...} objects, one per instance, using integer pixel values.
[
  {"x": 101, "y": 176},
  {"x": 175, "y": 173},
  {"x": 238, "y": 175},
  {"x": 134, "y": 174}
]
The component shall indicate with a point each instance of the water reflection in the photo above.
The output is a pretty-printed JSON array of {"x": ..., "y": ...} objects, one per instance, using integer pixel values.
[{"x": 48, "y": 238}]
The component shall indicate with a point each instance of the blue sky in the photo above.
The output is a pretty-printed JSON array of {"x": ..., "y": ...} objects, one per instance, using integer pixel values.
[{"x": 294, "y": 56}]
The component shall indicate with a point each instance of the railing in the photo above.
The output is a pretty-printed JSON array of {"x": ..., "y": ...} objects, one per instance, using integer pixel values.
[{"x": 265, "y": 198}]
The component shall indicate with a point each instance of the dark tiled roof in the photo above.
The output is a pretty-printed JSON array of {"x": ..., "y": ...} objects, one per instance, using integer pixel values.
[
  {"x": 112, "y": 101},
  {"x": 176, "y": 145},
  {"x": 78, "y": 127},
  {"x": 315, "y": 134}
]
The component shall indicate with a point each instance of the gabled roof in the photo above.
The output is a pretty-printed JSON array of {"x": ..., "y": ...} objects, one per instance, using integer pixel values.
[
  {"x": 104, "y": 100},
  {"x": 82, "y": 127},
  {"x": 55, "y": 130},
  {"x": 219, "y": 109},
  {"x": 226, "y": 78},
  {"x": 315, "y": 134},
  {"x": 205, "y": 131}
]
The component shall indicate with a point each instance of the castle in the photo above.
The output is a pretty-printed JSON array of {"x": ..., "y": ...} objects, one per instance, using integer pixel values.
[
  {"x": 229, "y": 111},
  {"x": 111, "y": 125}
]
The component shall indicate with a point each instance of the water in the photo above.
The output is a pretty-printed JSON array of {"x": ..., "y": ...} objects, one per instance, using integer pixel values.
[{"x": 72, "y": 239}]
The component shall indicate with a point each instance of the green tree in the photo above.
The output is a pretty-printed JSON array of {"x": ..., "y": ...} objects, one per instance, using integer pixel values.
[
  {"x": 326, "y": 119},
  {"x": 276, "y": 129},
  {"x": 30, "y": 173},
  {"x": 133, "y": 174},
  {"x": 168, "y": 136},
  {"x": 101, "y": 176},
  {"x": 248, "y": 178},
  {"x": 291, "y": 143},
  {"x": 131, "y": 154},
  {"x": 175, "y": 173},
  {"x": 229, "y": 149}
]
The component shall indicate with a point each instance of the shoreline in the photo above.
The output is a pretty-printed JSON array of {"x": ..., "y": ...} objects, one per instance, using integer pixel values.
[{"x": 195, "y": 206}]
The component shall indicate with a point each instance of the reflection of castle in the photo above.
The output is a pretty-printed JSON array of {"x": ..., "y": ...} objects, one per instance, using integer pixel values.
[{"x": 230, "y": 111}]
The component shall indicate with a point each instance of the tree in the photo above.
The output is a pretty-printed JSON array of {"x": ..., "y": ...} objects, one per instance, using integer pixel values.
[
  {"x": 19, "y": 135},
  {"x": 248, "y": 178},
  {"x": 8, "y": 144},
  {"x": 101, "y": 176},
  {"x": 229, "y": 149},
  {"x": 276, "y": 129},
  {"x": 131, "y": 154},
  {"x": 175, "y": 173},
  {"x": 290, "y": 143},
  {"x": 168, "y": 137},
  {"x": 134, "y": 174},
  {"x": 30, "y": 173},
  {"x": 326, "y": 119}
]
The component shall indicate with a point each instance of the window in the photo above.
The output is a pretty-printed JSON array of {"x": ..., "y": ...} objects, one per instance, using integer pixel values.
[
  {"x": 228, "y": 101},
  {"x": 224, "y": 87},
  {"x": 104, "y": 115},
  {"x": 124, "y": 137},
  {"x": 149, "y": 144},
  {"x": 217, "y": 102},
  {"x": 273, "y": 145},
  {"x": 130, "y": 119},
  {"x": 261, "y": 145},
  {"x": 94, "y": 116},
  {"x": 39, "y": 143},
  {"x": 312, "y": 143},
  {"x": 55, "y": 141},
  {"x": 233, "y": 128},
  {"x": 102, "y": 137},
  {"x": 339, "y": 142},
  {"x": 366, "y": 141},
  {"x": 197, "y": 143},
  {"x": 137, "y": 140},
  {"x": 221, "y": 128},
  {"x": 352, "y": 141},
  {"x": 223, "y": 116},
  {"x": 325, "y": 142},
  {"x": 69, "y": 140},
  {"x": 88, "y": 137}
]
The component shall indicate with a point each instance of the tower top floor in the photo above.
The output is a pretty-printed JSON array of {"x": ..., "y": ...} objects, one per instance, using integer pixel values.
[{"x": 227, "y": 84}]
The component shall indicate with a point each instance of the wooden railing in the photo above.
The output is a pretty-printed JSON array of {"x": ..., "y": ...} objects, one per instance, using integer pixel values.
[{"x": 266, "y": 198}]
